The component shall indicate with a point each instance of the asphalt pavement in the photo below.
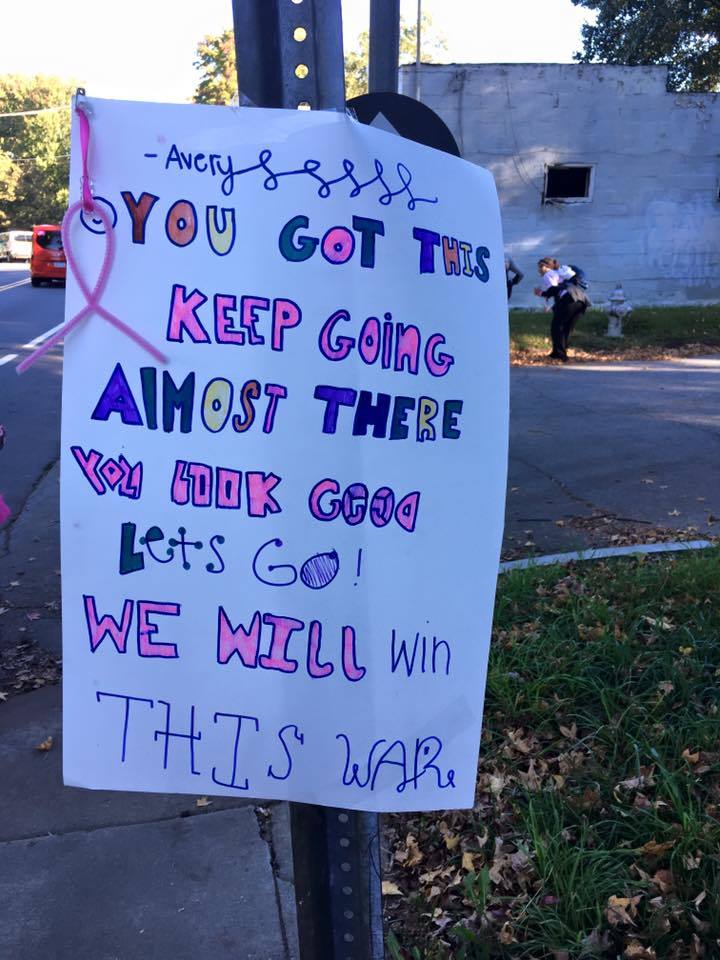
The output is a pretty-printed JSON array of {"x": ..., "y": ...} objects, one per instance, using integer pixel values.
[
  {"x": 594, "y": 448},
  {"x": 603, "y": 450}
]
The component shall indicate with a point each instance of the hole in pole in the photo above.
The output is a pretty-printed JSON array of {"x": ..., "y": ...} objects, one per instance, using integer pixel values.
[
  {"x": 304, "y": 105},
  {"x": 299, "y": 34},
  {"x": 301, "y": 71}
]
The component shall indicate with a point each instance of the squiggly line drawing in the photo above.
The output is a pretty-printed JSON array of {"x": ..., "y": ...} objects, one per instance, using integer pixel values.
[{"x": 312, "y": 168}]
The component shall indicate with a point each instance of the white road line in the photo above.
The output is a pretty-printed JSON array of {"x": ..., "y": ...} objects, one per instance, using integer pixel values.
[
  {"x": 43, "y": 337},
  {"x": 8, "y": 358},
  {"x": 11, "y": 286}
]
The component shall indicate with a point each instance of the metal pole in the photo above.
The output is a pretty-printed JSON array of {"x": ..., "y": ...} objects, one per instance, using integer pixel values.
[
  {"x": 384, "y": 46},
  {"x": 336, "y": 853},
  {"x": 290, "y": 53},
  {"x": 418, "y": 49}
]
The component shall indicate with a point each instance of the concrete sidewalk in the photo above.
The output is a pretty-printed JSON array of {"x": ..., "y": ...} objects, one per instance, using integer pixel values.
[{"x": 95, "y": 875}]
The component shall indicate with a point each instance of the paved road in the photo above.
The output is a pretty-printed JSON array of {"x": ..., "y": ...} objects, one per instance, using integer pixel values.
[
  {"x": 637, "y": 441},
  {"x": 30, "y": 404}
]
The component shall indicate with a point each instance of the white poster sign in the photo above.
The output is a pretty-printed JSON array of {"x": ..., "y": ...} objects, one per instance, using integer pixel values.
[{"x": 280, "y": 549}]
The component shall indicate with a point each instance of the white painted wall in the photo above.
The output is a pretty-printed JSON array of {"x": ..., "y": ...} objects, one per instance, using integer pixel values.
[{"x": 654, "y": 218}]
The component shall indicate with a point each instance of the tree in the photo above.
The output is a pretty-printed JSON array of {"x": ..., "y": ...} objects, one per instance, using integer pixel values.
[
  {"x": 684, "y": 34},
  {"x": 216, "y": 63},
  {"x": 34, "y": 150},
  {"x": 356, "y": 61}
]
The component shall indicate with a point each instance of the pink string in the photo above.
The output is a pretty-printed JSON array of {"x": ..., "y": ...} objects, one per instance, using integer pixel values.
[
  {"x": 87, "y": 197},
  {"x": 92, "y": 297}
]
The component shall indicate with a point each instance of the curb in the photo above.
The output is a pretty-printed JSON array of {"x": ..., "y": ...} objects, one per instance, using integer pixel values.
[{"x": 601, "y": 553}]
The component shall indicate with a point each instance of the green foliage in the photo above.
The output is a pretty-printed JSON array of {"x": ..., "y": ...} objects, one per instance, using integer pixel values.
[
  {"x": 215, "y": 59},
  {"x": 596, "y": 827},
  {"x": 356, "y": 61},
  {"x": 34, "y": 150},
  {"x": 648, "y": 332},
  {"x": 685, "y": 34}
]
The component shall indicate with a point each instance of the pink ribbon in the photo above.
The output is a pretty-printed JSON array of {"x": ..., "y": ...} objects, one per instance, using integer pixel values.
[{"x": 92, "y": 297}]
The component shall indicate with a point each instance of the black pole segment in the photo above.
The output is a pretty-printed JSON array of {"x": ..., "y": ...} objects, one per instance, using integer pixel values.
[
  {"x": 384, "y": 46},
  {"x": 311, "y": 880},
  {"x": 336, "y": 862},
  {"x": 290, "y": 53}
]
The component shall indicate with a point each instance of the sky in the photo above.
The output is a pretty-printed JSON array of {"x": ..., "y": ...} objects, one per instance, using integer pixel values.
[{"x": 144, "y": 49}]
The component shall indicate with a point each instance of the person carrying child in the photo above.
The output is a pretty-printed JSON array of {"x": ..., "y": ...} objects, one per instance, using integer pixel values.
[{"x": 560, "y": 284}]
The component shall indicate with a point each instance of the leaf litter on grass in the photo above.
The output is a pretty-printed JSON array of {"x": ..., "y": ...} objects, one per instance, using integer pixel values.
[{"x": 596, "y": 825}]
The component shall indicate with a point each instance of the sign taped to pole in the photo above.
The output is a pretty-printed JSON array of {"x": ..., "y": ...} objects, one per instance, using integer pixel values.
[{"x": 280, "y": 549}]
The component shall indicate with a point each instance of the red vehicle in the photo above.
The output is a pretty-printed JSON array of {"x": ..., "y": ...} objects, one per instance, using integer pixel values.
[{"x": 47, "y": 261}]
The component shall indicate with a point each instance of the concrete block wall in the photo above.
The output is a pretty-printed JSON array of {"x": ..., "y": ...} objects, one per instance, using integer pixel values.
[{"x": 653, "y": 221}]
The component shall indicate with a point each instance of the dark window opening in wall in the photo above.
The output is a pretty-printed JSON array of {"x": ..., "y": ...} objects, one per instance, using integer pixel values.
[{"x": 567, "y": 183}]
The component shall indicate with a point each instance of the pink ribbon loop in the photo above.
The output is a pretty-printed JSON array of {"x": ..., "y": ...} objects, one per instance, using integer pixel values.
[{"x": 92, "y": 297}]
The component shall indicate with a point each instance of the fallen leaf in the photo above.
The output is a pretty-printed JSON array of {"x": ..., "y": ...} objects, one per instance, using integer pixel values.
[
  {"x": 203, "y": 802},
  {"x": 414, "y": 852},
  {"x": 46, "y": 745},
  {"x": 698, "y": 950},
  {"x": 663, "y": 880},
  {"x": 468, "y": 862},
  {"x": 497, "y": 785},
  {"x": 655, "y": 849},
  {"x": 569, "y": 732},
  {"x": 390, "y": 889},
  {"x": 622, "y": 910},
  {"x": 665, "y": 687},
  {"x": 451, "y": 839},
  {"x": 637, "y": 951},
  {"x": 690, "y": 757},
  {"x": 691, "y": 862},
  {"x": 506, "y": 935}
]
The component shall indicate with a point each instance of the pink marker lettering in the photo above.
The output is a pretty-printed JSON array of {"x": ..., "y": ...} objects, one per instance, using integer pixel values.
[{"x": 282, "y": 628}]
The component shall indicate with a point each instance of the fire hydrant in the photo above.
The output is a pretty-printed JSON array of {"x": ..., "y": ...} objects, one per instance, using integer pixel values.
[{"x": 619, "y": 309}]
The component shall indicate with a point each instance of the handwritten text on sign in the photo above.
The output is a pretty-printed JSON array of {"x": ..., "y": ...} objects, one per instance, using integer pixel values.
[{"x": 280, "y": 550}]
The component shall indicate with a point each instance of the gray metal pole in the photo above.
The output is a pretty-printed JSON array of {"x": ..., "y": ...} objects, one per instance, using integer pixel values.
[
  {"x": 336, "y": 853},
  {"x": 418, "y": 49},
  {"x": 384, "y": 46},
  {"x": 290, "y": 53}
]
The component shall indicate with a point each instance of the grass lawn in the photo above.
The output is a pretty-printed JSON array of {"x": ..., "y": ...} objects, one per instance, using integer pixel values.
[
  {"x": 651, "y": 332},
  {"x": 596, "y": 826}
]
